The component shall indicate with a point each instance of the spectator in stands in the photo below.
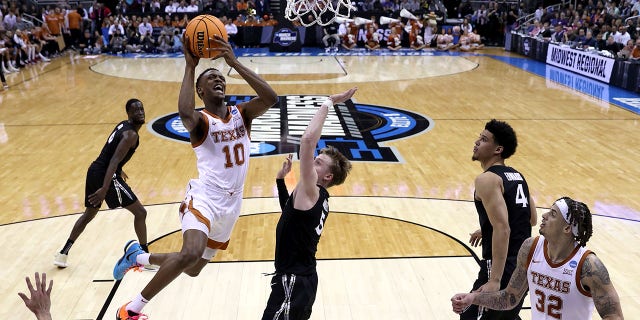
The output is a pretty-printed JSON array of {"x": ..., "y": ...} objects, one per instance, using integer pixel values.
[
  {"x": 330, "y": 34},
  {"x": 512, "y": 17},
  {"x": 622, "y": 36},
  {"x": 145, "y": 27},
  {"x": 177, "y": 41},
  {"x": 242, "y": 6},
  {"x": 87, "y": 43},
  {"x": 116, "y": 26},
  {"x": 134, "y": 43},
  {"x": 193, "y": 6},
  {"x": 117, "y": 42},
  {"x": 612, "y": 46},
  {"x": 466, "y": 26},
  {"x": 588, "y": 41},
  {"x": 74, "y": 19},
  {"x": 232, "y": 30},
  {"x": 98, "y": 15},
  {"x": 171, "y": 8},
  {"x": 262, "y": 7},
  {"x": 625, "y": 52},
  {"x": 535, "y": 29},
  {"x": 635, "y": 53},
  {"x": 182, "y": 7},
  {"x": 558, "y": 34},
  {"x": 10, "y": 20},
  {"x": 164, "y": 42},
  {"x": 148, "y": 43},
  {"x": 480, "y": 18}
]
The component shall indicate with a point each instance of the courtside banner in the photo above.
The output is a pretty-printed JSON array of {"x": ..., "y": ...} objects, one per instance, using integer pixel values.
[{"x": 587, "y": 64}]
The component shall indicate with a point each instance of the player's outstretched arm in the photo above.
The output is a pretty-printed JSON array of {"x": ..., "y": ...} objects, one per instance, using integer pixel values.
[
  {"x": 505, "y": 299},
  {"x": 595, "y": 276},
  {"x": 187, "y": 100},
  {"x": 266, "y": 98},
  {"x": 306, "y": 190}
]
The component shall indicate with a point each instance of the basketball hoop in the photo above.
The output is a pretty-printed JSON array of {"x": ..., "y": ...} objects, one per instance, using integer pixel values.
[{"x": 322, "y": 12}]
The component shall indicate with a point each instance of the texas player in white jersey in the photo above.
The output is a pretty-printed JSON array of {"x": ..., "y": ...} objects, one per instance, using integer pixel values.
[
  {"x": 565, "y": 279},
  {"x": 219, "y": 135}
]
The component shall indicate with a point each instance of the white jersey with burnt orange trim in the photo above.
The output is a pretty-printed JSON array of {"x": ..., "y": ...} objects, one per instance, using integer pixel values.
[
  {"x": 223, "y": 154},
  {"x": 555, "y": 289}
]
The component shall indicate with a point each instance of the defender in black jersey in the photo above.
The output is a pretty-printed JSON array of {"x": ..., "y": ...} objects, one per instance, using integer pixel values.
[
  {"x": 304, "y": 212},
  {"x": 506, "y": 213},
  {"x": 106, "y": 180}
]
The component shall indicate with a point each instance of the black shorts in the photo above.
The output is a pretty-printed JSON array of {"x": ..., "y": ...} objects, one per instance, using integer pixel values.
[
  {"x": 483, "y": 276},
  {"x": 118, "y": 195},
  {"x": 293, "y": 295}
]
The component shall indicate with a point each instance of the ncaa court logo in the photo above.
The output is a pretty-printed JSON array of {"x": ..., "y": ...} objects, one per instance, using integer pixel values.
[{"x": 357, "y": 130}]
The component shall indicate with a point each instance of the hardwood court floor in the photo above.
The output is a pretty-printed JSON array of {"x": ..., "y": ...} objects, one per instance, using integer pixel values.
[{"x": 395, "y": 243}]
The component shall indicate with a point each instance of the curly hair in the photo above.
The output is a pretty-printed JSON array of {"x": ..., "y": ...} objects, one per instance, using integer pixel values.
[
  {"x": 580, "y": 216},
  {"x": 504, "y": 136},
  {"x": 340, "y": 167}
]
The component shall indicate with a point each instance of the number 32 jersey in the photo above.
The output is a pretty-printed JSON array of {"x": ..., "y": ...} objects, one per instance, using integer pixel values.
[
  {"x": 223, "y": 154},
  {"x": 555, "y": 289}
]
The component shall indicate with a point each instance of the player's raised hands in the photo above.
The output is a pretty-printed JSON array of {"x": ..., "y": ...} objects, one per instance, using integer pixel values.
[{"x": 40, "y": 301}]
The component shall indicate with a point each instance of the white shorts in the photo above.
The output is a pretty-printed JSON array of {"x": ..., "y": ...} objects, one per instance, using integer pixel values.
[{"x": 211, "y": 211}]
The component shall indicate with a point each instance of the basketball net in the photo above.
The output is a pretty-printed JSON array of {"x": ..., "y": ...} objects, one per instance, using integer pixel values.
[{"x": 322, "y": 12}]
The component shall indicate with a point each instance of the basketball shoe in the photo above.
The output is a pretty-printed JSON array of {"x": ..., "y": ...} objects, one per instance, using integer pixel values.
[
  {"x": 128, "y": 261},
  {"x": 124, "y": 314},
  {"x": 60, "y": 260}
]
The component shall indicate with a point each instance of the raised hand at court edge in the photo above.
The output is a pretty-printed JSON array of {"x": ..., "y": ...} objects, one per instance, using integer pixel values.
[
  {"x": 344, "y": 96},
  {"x": 40, "y": 301},
  {"x": 286, "y": 167}
]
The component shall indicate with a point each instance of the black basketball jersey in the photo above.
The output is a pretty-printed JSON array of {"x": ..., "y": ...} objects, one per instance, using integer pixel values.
[
  {"x": 516, "y": 197},
  {"x": 297, "y": 235},
  {"x": 110, "y": 148}
]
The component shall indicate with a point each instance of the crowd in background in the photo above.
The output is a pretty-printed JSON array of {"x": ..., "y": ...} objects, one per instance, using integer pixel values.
[
  {"x": 30, "y": 34},
  {"x": 597, "y": 25}
]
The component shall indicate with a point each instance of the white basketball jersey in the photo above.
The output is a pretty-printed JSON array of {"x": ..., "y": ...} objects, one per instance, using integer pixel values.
[
  {"x": 555, "y": 289},
  {"x": 223, "y": 155}
]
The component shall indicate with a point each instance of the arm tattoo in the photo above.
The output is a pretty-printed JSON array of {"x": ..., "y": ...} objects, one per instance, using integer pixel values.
[
  {"x": 495, "y": 300},
  {"x": 596, "y": 277},
  {"x": 605, "y": 305},
  {"x": 596, "y": 271}
]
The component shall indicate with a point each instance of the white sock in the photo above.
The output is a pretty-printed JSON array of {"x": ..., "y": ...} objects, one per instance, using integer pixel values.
[
  {"x": 143, "y": 259},
  {"x": 137, "y": 304}
]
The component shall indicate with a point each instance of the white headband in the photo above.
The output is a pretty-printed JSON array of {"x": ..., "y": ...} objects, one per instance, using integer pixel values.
[{"x": 564, "y": 209}]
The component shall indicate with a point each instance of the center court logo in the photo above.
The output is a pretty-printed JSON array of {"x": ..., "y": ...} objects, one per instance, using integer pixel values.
[{"x": 357, "y": 130}]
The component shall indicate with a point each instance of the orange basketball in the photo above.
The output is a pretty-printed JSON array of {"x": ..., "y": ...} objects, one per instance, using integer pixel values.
[{"x": 199, "y": 30}]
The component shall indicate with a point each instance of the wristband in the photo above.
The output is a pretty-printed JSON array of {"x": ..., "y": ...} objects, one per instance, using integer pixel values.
[{"x": 328, "y": 102}]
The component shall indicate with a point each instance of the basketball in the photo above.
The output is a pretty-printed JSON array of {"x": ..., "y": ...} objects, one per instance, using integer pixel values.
[{"x": 199, "y": 30}]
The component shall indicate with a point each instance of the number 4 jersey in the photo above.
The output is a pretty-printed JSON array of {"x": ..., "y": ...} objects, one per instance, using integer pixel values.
[
  {"x": 223, "y": 153},
  {"x": 555, "y": 289},
  {"x": 516, "y": 198}
]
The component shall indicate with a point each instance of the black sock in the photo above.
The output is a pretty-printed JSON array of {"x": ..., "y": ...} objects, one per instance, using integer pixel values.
[
  {"x": 145, "y": 247},
  {"x": 67, "y": 247}
]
